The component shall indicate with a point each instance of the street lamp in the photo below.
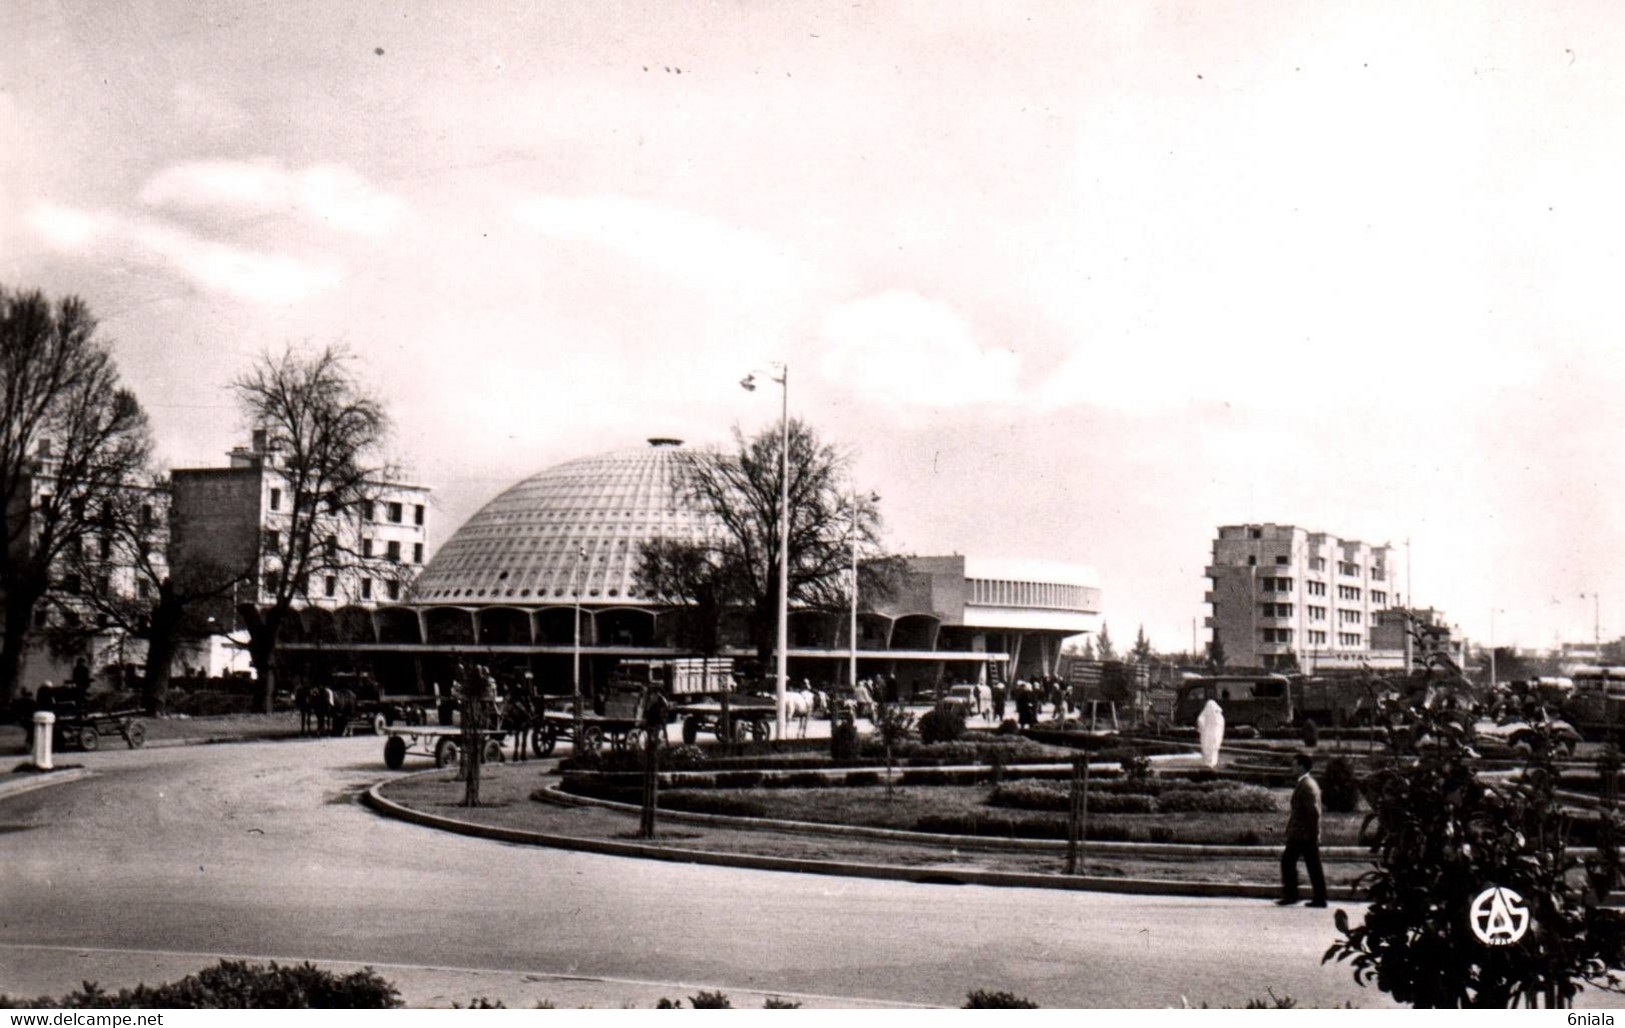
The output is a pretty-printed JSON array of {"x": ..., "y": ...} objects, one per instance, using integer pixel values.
[
  {"x": 783, "y": 668},
  {"x": 575, "y": 649},
  {"x": 852, "y": 649}
]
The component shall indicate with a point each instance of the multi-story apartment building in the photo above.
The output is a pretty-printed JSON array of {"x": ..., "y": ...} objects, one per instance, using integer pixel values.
[
  {"x": 237, "y": 516},
  {"x": 1285, "y": 596}
]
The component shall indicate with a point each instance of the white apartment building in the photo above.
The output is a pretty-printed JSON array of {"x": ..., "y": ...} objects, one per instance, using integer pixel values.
[{"x": 1284, "y": 596}]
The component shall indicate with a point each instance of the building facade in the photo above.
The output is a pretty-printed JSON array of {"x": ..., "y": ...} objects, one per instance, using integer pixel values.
[
  {"x": 1287, "y": 597},
  {"x": 546, "y": 574},
  {"x": 238, "y": 516}
]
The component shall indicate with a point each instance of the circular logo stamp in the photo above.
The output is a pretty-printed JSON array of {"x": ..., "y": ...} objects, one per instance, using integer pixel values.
[{"x": 1498, "y": 916}]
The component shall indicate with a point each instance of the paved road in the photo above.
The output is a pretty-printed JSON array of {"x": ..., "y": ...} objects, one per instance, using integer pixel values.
[{"x": 263, "y": 850}]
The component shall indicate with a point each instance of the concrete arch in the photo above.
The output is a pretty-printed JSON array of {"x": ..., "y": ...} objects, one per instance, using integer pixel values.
[
  {"x": 815, "y": 628},
  {"x": 355, "y": 625},
  {"x": 503, "y": 626},
  {"x": 625, "y": 626},
  {"x": 321, "y": 626},
  {"x": 398, "y": 625},
  {"x": 915, "y": 632},
  {"x": 448, "y": 625},
  {"x": 555, "y": 626}
]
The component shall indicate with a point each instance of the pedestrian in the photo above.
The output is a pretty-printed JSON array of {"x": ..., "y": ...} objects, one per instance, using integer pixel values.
[
  {"x": 81, "y": 681},
  {"x": 1303, "y": 838},
  {"x": 998, "y": 701}
]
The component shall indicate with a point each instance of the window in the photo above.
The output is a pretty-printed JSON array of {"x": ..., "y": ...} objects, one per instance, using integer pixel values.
[
  {"x": 1348, "y": 638},
  {"x": 366, "y": 510},
  {"x": 417, "y": 553},
  {"x": 1317, "y": 638},
  {"x": 102, "y": 582},
  {"x": 1315, "y": 588},
  {"x": 70, "y": 583},
  {"x": 1257, "y": 533},
  {"x": 1281, "y": 558},
  {"x": 1349, "y": 617},
  {"x": 1277, "y": 585},
  {"x": 1376, "y": 573},
  {"x": 272, "y": 580},
  {"x": 395, "y": 513},
  {"x": 1317, "y": 563},
  {"x": 142, "y": 589},
  {"x": 366, "y": 588},
  {"x": 366, "y": 547},
  {"x": 104, "y": 547},
  {"x": 146, "y": 515},
  {"x": 1252, "y": 562},
  {"x": 1348, "y": 569},
  {"x": 1276, "y": 636},
  {"x": 417, "y": 514},
  {"x": 1379, "y": 597},
  {"x": 271, "y": 540},
  {"x": 1317, "y": 614},
  {"x": 1275, "y": 610},
  {"x": 276, "y": 499},
  {"x": 330, "y": 586},
  {"x": 331, "y": 546},
  {"x": 394, "y": 551},
  {"x": 393, "y": 588},
  {"x": 1348, "y": 592}
]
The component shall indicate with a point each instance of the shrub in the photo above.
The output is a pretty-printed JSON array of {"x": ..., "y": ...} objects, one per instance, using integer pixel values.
[
  {"x": 944, "y": 723},
  {"x": 775, "y": 1003},
  {"x": 710, "y": 1001},
  {"x": 863, "y": 778},
  {"x": 1311, "y": 733},
  {"x": 684, "y": 758},
  {"x": 1250, "y": 837},
  {"x": 238, "y": 985},
  {"x": 1057, "y": 796},
  {"x": 985, "y": 999},
  {"x": 731, "y": 780},
  {"x": 1160, "y": 833},
  {"x": 1340, "y": 787},
  {"x": 1238, "y": 799},
  {"x": 708, "y": 801},
  {"x": 843, "y": 740},
  {"x": 928, "y": 776}
]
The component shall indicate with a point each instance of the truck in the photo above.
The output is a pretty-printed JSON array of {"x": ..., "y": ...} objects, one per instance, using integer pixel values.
[
  {"x": 1273, "y": 701},
  {"x": 1596, "y": 705}
]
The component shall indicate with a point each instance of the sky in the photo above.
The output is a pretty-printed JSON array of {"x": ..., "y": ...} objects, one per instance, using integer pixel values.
[{"x": 1070, "y": 281}]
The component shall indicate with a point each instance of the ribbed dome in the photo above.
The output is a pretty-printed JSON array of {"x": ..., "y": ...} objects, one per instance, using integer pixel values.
[{"x": 522, "y": 547}]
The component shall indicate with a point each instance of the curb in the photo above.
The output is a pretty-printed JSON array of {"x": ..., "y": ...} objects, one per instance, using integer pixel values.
[
  {"x": 924, "y": 876},
  {"x": 556, "y": 794},
  {"x": 41, "y": 780}
]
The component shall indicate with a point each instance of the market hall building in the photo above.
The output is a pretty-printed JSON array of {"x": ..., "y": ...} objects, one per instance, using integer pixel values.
[{"x": 508, "y": 587}]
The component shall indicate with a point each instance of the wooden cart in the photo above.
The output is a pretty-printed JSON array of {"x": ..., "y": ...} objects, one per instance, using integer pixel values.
[
  {"x": 85, "y": 731},
  {"x": 443, "y": 743}
]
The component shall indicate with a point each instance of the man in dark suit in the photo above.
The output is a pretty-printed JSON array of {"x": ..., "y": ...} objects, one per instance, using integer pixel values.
[{"x": 1303, "y": 838}]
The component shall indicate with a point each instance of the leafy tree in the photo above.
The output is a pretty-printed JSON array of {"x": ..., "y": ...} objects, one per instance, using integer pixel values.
[
  {"x": 71, "y": 439},
  {"x": 1142, "y": 652},
  {"x": 1088, "y": 649},
  {"x": 323, "y": 433},
  {"x": 1441, "y": 834},
  {"x": 1103, "y": 645},
  {"x": 892, "y": 724}
]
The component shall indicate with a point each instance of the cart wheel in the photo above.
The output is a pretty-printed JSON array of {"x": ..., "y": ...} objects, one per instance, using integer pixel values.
[
  {"x": 394, "y": 752},
  {"x": 1267, "y": 725},
  {"x": 691, "y": 730},
  {"x": 761, "y": 731},
  {"x": 592, "y": 737},
  {"x": 494, "y": 753},
  {"x": 137, "y": 735},
  {"x": 379, "y": 723},
  {"x": 448, "y": 754},
  {"x": 543, "y": 739},
  {"x": 633, "y": 739},
  {"x": 88, "y": 739}
]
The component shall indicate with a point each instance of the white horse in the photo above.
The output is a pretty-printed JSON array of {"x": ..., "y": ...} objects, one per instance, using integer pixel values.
[{"x": 798, "y": 705}]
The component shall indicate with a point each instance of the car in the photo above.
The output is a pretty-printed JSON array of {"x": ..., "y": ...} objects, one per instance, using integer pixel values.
[
  {"x": 973, "y": 699},
  {"x": 1520, "y": 736}
]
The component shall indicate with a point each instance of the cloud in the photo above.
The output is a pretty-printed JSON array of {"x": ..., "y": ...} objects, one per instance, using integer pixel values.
[
  {"x": 678, "y": 243},
  {"x": 325, "y": 194},
  {"x": 900, "y": 349},
  {"x": 258, "y": 276},
  {"x": 65, "y": 228}
]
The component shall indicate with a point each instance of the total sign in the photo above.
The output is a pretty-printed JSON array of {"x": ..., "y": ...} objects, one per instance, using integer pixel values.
[{"x": 1498, "y": 916}]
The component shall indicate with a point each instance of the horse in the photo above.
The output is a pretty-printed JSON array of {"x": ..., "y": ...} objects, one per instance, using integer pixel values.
[{"x": 799, "y": 705}]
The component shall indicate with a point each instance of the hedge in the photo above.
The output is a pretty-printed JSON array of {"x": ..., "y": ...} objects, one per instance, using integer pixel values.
[{"x": 237, "y": 985}]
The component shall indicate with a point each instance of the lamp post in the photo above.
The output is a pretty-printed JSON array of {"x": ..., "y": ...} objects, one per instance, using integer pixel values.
[
  {"x": 783, "y": 665},
  {"x": 575, "y": 649},
  {"x": 852, "y": 649}
]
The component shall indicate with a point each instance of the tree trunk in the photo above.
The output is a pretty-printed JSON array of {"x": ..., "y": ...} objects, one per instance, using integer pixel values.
[
  {"x": 19, "y": 619},
  {"x": 262, "y": 632},
  {"x": 155, "y": 684}
]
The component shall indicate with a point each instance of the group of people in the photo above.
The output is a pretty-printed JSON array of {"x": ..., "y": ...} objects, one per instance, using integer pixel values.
[{"x": 1031, "y": 696}]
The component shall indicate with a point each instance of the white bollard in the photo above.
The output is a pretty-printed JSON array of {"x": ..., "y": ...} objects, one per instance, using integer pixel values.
[{"x": 44, "y": 722}]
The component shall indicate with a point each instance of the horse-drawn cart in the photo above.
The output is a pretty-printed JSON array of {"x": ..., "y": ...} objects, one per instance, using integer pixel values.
[
  {"x": 441, "y": 742},
  {"x": 85, "y": 731},
  {"x": 621, "y": 725},
  {"x": 745, "y": 716}
]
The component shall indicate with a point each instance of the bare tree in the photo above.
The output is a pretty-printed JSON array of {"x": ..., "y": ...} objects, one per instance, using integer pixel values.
[
  {"x": 740, "y": 491},
  {"x": 71, "y": 439},
  {"x": 132, "y": 582},
  {"x": 324, "y": 434}
]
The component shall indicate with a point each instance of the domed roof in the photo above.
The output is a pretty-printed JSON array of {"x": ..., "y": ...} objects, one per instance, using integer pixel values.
[{"x": 577, "y": 523}]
